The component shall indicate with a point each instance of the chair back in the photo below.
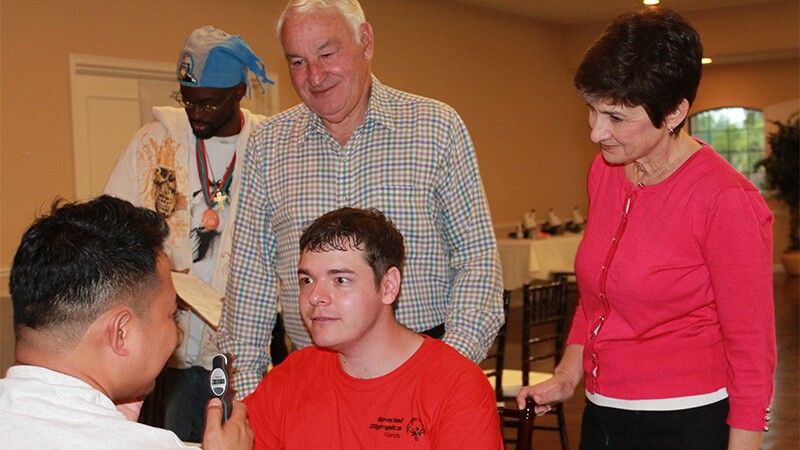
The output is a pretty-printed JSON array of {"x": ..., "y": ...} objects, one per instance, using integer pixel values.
[
  {"x": 544, "y": 319},
  {"x": 497, "y": 352},
  {"x": 522, "y": 420}
]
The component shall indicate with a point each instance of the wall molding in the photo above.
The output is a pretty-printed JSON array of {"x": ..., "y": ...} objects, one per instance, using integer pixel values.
[{"x": 4, "y": 274}]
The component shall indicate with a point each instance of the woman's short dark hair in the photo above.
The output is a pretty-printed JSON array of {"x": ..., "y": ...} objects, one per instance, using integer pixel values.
[
  {"x": 367, "y": 230},
  {"x": 650, "y": 58}
]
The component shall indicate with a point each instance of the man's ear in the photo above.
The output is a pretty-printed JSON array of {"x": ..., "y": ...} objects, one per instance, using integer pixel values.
[
  {"x": 390, "y": 285},
  {"x": 366, "y": 38},
  {"x": 118, "y": 331},
  {"x": 239, "y": 92}
]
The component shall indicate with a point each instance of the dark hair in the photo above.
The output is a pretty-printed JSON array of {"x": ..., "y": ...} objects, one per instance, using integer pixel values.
[
  {"x": 650, "y": 58},
  {"x": 367, "y": 230},
  {"x": 81, "y": 259}
]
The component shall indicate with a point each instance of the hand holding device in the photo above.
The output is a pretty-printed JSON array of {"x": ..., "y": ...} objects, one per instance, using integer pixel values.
[{"x": 220, "y": 383}]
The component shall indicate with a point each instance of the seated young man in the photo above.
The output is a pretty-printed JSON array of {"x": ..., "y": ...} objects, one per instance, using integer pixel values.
[
  {"x": 368, "y": 382},
  {"x": 94, "y": 308}
]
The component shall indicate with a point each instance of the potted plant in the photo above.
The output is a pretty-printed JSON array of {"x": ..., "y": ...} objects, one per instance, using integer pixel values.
[{"x": 782, "y": 177}]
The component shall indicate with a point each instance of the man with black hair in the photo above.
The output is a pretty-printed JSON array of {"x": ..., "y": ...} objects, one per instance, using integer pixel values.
[{"x": 94, "y": 309}]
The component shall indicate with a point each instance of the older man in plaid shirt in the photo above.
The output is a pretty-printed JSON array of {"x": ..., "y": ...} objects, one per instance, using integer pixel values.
[{"x": 356, "y": 142}]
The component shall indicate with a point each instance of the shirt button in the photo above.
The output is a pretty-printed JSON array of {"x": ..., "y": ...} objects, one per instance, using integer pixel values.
[{"x": 766, "y": 428}]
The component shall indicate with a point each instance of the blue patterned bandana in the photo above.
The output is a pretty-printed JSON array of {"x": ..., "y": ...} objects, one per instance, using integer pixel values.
[{"x": 213, "y": 58}]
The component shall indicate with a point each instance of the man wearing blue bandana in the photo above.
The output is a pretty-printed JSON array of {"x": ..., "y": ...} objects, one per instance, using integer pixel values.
[{"x": 187, "y": 165}]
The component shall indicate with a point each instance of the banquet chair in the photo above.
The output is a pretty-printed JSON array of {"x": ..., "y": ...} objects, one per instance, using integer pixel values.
[
  {"x": 497, "y": 352},
  {"x": 569, "y": 276},
  {"x": 544, "y": 317},
  {"x": 522, "y": 420}
]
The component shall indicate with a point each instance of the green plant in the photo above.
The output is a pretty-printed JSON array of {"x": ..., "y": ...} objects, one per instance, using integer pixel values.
[{"x": 782, "y": 171}]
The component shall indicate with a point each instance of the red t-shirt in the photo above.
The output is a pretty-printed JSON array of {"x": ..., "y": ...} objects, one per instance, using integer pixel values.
[{"x": 436, "y": 400}]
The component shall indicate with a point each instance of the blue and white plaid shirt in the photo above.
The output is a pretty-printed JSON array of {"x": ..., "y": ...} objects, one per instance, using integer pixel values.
[{"x": 413, "y": 159}]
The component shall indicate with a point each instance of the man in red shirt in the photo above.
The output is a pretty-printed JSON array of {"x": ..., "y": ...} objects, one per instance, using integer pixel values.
[{"x": 368, "y": 382}]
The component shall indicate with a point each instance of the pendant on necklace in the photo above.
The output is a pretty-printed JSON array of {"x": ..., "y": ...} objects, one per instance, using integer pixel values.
[
  {"x": 210, "y": 220},
  {"x": 220, "y": 198}
]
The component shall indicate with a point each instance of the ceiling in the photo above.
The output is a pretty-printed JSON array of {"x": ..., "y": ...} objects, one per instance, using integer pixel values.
[{"x": 579, "y": 11}]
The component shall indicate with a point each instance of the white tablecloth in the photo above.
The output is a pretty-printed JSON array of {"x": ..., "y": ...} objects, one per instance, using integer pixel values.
[{"x": 525, "y": 259}]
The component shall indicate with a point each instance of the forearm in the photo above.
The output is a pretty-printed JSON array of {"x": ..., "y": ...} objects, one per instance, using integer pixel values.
[
  {"x": 476, "y": 314},
  {"x": 571, "y": 365},
  {"x": 250, "y": 362},
  {"x": 560, "y": 387},
  {"x": 468, "y": 344},
  {"x": 248, "y": 316},
  {"x": 741, "y": 277},
  {"x": 476, "y": 308},
  {"x": 250, "y": 305}
]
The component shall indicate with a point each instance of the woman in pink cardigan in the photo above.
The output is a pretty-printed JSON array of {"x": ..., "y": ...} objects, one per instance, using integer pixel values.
[{"x": 674, "y": 334}]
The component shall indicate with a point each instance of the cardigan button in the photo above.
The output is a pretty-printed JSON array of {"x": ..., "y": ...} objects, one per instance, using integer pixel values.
[{"x": 766, "y": 428}]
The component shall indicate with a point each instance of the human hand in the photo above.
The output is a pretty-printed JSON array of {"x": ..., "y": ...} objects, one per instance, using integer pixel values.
[
  {"x": 557, "y": 389},
  {"x": 235, "y": 434},
  {"x": 131, "y": 409}
]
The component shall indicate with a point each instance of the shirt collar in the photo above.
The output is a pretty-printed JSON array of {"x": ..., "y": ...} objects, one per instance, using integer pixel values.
[{"x": 377, "y": 111}]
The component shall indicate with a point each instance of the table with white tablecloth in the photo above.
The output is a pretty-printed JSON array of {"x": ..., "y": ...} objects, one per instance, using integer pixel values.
[{"x": 526, "y": 259}]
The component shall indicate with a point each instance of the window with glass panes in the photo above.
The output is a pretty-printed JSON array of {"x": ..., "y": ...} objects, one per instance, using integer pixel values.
[{"x": 735, "y": 133}]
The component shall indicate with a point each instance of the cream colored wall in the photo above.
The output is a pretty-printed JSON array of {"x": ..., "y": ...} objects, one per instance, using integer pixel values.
[
  {"x": 753, "y": 85},
  {"x": 728, "y": 34},
  {"x": 36, "y": 39},
  {"x": 509, "y": 77},
  {"x": 503, "y": 74},
  {"x": 36, "y": 138}
]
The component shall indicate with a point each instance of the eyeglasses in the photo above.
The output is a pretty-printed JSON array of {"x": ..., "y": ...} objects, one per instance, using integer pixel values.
[{"x": 205, "y": 107}]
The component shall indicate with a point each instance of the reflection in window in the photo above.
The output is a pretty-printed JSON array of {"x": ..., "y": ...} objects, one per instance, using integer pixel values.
[{"x": 735, "y": 133}]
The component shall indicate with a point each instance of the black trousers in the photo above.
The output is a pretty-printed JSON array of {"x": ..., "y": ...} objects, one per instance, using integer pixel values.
[
  {"x": 436, "y": 332},
  {"x": 701, "y": 428},
  {"x": 277, "y": 346}
]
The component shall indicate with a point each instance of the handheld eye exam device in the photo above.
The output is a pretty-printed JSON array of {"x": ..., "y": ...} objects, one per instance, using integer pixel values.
[{"x": 220, "y": 383}]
